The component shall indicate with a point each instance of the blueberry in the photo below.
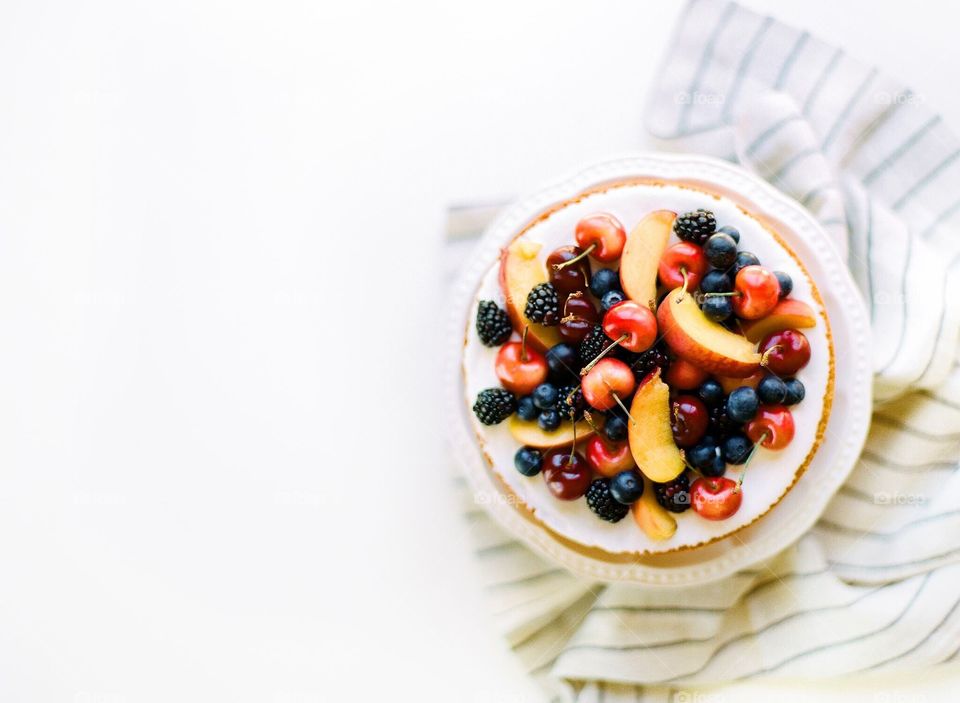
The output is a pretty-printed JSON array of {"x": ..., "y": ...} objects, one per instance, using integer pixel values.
[
  {"x": 702, "y": 454},
  {"x": 626, "y": 487},
  {"x": 772, "y": 390},
  {"x": 721, "y": 250},
  {"x": 549, "y": 420},
  {"x": 564, "y": 362},
  {"x": 742, "y": 404},
  {"x": 527, "y": 409},
  {"x": 545, "y": 396},
  {"x": 732, "y": 231},
  {"x": 615, "y": 428},
  {"x": 717, "y": 308},
  {"x": 611, "y": 298},
  {"x": 744, "y": 258},
  {"x": 528, "y": 461},
  {"x": 716, "y": 467},
  {"x": 736, "y": 449},
  {"x": 716, "y": 282},
  {"x": 711, "y": 393},
  {"x": 604, "y": 281},
  {"x": 795, "y": 391},
  {"x": 786, "y": 283}
]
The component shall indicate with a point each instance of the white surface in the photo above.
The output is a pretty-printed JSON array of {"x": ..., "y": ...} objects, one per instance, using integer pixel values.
[
  {"x": 773, "y": 473},
  {"x": 188, "y": 402}
]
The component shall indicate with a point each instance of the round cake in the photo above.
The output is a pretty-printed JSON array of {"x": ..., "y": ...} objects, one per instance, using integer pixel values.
[{"x": 649, "y": 367}]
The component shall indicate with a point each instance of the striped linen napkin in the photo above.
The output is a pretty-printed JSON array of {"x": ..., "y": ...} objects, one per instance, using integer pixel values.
[{"x": 875, "y": 584}]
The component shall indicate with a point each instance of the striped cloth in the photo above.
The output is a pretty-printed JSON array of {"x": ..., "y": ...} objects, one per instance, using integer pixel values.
[{"x": 875, "y": 584}]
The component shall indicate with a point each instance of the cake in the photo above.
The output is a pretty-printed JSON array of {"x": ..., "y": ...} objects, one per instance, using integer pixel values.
[{"x": 649, "y": 367}]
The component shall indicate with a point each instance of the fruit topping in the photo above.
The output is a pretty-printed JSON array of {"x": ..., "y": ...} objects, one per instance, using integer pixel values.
[
  {"x": 650, "y": 431},
  {"x": 721, "y": 425},
  {"x": 716, "y": 282},
  {"x": 651, "y": 517},
  {"x": 627, "y": 487},
  {"x": 563, "y": 362},
  {"x": 493, "y": 324},
  {"x": 615, "y": 429},
  {"x": 736, "y": 449},
  {"x": 772, "y": 390},
  {"x": 682, "y": 264},
  {"x": 684, "y": 376},
  {"x": 520, "y": 368},
  {"x": 695, "y": 227},
  {"x": 786, "y": 283},
  {"x": 593, "y": 344},
  {"x": 529, "y": 433},
  {"x": 795, "y": 391},
  {"x": 566, "y": 473},
  {"x": 717, "y": 308},
  {"x": 715, "y": 498},
  {"x": 528, "y": 461},
  {"x": 570, "y": 402},
  {"x": 602, "y": 502},
  {"x": 526, "y": 410},
  {"x": 742, "y": 404},
  {"x": 645, "y": 363},
  {"x": 602, "y": 236},
  {"x": 787, "y": 314},
  {"x": 574, "y": 278},
  {"x": 641, "y": 256},
  {"x": 720, "y": 250},
  {"x": 711, "y": 393},
  {"x": 494, "y": 405},
  {"x": 707, "y": 458},
  {"x": 674, "y": 495},
  {"x": 604, "y": 281},
  {"x": 773, "y": 427},
  {"x": 579, "y": 317},
  {"x": 611, "y": 298},
  {"x": 632, "y": 325},
  {"x": 549, "y": 420},
  {"x": 543, "y": 305},
  {"x": 688, "y": 420},
  {"x": 785, "y": 352},
  {"x": 756, "y": 292},
  {"x": 606, "y": 383},
  {"x": 520, "y": 271},
  {"x": 732, "y": 231},
  {"x": 608, "y": 458}
]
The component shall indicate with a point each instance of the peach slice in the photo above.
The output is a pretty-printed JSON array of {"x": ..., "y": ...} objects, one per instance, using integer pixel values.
[
  {"x": 701, "y": 341},
  {"x": 520, "y": 271},
  {"x": 529, "y": 433},
  {"x": 788, "y": 314},
  {"x": 641, "y": 256},
  {"x": 731, "y": 383},
  {"x": 651, "y": 517},
  {"x": 650, "y": 434}
]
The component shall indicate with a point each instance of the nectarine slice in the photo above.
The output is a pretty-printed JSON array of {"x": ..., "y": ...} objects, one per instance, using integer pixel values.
[
  {"x": 653, "y": 518},
  {"x": 650, "y": 435},
  {"x": 788, "y": 314},
  {"x": 641, "y": 256},
  {"x": 529, "y": 433},
  {"x": 520, "y": 271},
  {"x": 701, "y": 341}
]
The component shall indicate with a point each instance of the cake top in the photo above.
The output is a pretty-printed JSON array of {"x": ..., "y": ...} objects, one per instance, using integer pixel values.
[{"x": 625, "y": 364}]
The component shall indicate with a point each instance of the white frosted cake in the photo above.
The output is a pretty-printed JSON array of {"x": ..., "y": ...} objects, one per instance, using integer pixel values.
[{"x": 730, "y": 363}]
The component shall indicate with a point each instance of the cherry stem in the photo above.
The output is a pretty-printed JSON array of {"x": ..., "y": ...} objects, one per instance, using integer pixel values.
[
  {"x": 763, "y": 438},
  {"x": 581, "y": 255},
  {"x": 602, "y": 354},
  {"x": 765, "y": 359},
  {"x": 623, "y": 407},
  {"x": 523, "y": 345},
  {"x": 573, "y": 446},
  {"x": 683, "y": 272}
]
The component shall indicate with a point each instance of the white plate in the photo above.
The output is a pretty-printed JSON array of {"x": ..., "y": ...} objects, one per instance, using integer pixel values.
[{"x": 845, "y": 431}]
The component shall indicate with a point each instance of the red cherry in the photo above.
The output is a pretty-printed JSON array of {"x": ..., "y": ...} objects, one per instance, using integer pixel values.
[
  {"x": 567, "y": 475},
  {"x": 572, "y": 278},
  {"x": 776, "y": 421},
  {"x": 608, "y": 458},
  {"x": 785, "y": 352},
  {"x": 715, "y": 498},
  {"x": 684, "y": 376},
  {"x": 635, "y": 322},
  {"x": 520, "y": 370},
  {"x": 602, "y": 235},
  {"x": 688, "y": 420},
  {"x": 579, "y": 317},
  {"x": 759, "y": 292},
  {"x": 680, "y": 257},
  {"x": 608, "y": 380}
]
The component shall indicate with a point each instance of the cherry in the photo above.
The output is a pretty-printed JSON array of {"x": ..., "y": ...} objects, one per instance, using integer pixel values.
[
  {"x": 684, "y": 376},
  {"x": 715, "y": 498},
  {"x": 632, "y": 324},
  {"x": 608, "y": 458},
  {"x": 566, "y": 473},
  {"x": 579, "y": 317},
  {"x": 568, "y": 279},
  {"x": 688, "y": 420},
  {"x": 520, "y": 368},
  {"x": 757, "y": 292},
  {"x": 606, "y": 383},
  {"x": 772, "y": 427},
  {"x": 785, "y": 352},
  {"x": 679, "y": 259},
  {"x": 601, "y": 235}
]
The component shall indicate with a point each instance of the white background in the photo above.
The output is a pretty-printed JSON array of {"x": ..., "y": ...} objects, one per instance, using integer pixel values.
[{"x": 221, "y": 475}]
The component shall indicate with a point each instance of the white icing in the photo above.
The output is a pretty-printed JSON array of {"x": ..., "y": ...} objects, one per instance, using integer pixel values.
[{"x": 770, "y": 474}]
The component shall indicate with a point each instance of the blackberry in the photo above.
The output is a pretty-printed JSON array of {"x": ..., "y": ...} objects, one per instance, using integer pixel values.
[
  {"x": 593, "y": 343},
  {"x": 602, "y": 502},
  {"x": 543, "y": 305},
  {"x": 494, "y": 405},
  {"x": 674, "y": 495},
  {"x": 649, "y": 360},
  {"x": 696, "y": 226},
  {"x": 493, "y": 324},
  {"x": 721, "y": 424},
  {"x": 570, "y": 401}
]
